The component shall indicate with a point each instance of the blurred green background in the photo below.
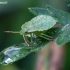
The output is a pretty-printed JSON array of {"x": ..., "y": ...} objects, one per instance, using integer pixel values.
[{"x": 12, "y": 16}]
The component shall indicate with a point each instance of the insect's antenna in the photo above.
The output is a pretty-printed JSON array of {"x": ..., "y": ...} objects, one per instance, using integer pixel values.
[{"x": 10, "y": 32}]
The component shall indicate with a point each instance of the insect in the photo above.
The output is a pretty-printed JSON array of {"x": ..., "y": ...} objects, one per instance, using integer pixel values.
[{"x": 39, "y": 23}]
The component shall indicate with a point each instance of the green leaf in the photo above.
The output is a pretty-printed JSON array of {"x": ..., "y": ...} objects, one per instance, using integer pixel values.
[
  {"x": 39, "y": 23},
  {"x": 61, "y": 16},
  {"x": 13, "y": 53},
  {"x": 64, "y": 37},
  {"x": 19, "y": 51},
  {"x": 38, "y": 11},
  {"x": 16, "y": 52}
]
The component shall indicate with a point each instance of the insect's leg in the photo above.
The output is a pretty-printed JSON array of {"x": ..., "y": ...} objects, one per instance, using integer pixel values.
[
  {"x": 26, "y": 40},
  {"x": 32, "y": 41},
  {"x": 46, "y": 37}
]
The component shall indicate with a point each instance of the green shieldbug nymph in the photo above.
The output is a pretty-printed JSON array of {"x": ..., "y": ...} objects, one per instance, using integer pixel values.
[{"x": 39, "y": 23}]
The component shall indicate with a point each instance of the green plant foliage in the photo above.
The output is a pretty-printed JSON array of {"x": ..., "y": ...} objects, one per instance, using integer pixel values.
[
  {"x": 13, "y": 53},
  {"x": 61, "y": 16},
  {"x": 39, "y": 23},
  {"x": 16, "y": 52},
  {"x": 64, "y": 37},
  {"x": 38, "y": 11},
  {"x": 38, "y": 32}
]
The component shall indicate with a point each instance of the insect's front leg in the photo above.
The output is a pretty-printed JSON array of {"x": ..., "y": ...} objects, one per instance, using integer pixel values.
[{"x": 26, "y": 40}]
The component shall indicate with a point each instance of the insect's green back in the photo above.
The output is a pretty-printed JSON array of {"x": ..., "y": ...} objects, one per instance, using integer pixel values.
[{"x": 39, "y": 23}]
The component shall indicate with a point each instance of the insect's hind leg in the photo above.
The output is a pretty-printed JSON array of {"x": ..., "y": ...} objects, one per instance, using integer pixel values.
[{"x": 46, "y": 37}]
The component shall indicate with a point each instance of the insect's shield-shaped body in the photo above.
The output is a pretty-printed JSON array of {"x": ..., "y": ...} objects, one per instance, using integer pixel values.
[{"x": 39, "y": 23}]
